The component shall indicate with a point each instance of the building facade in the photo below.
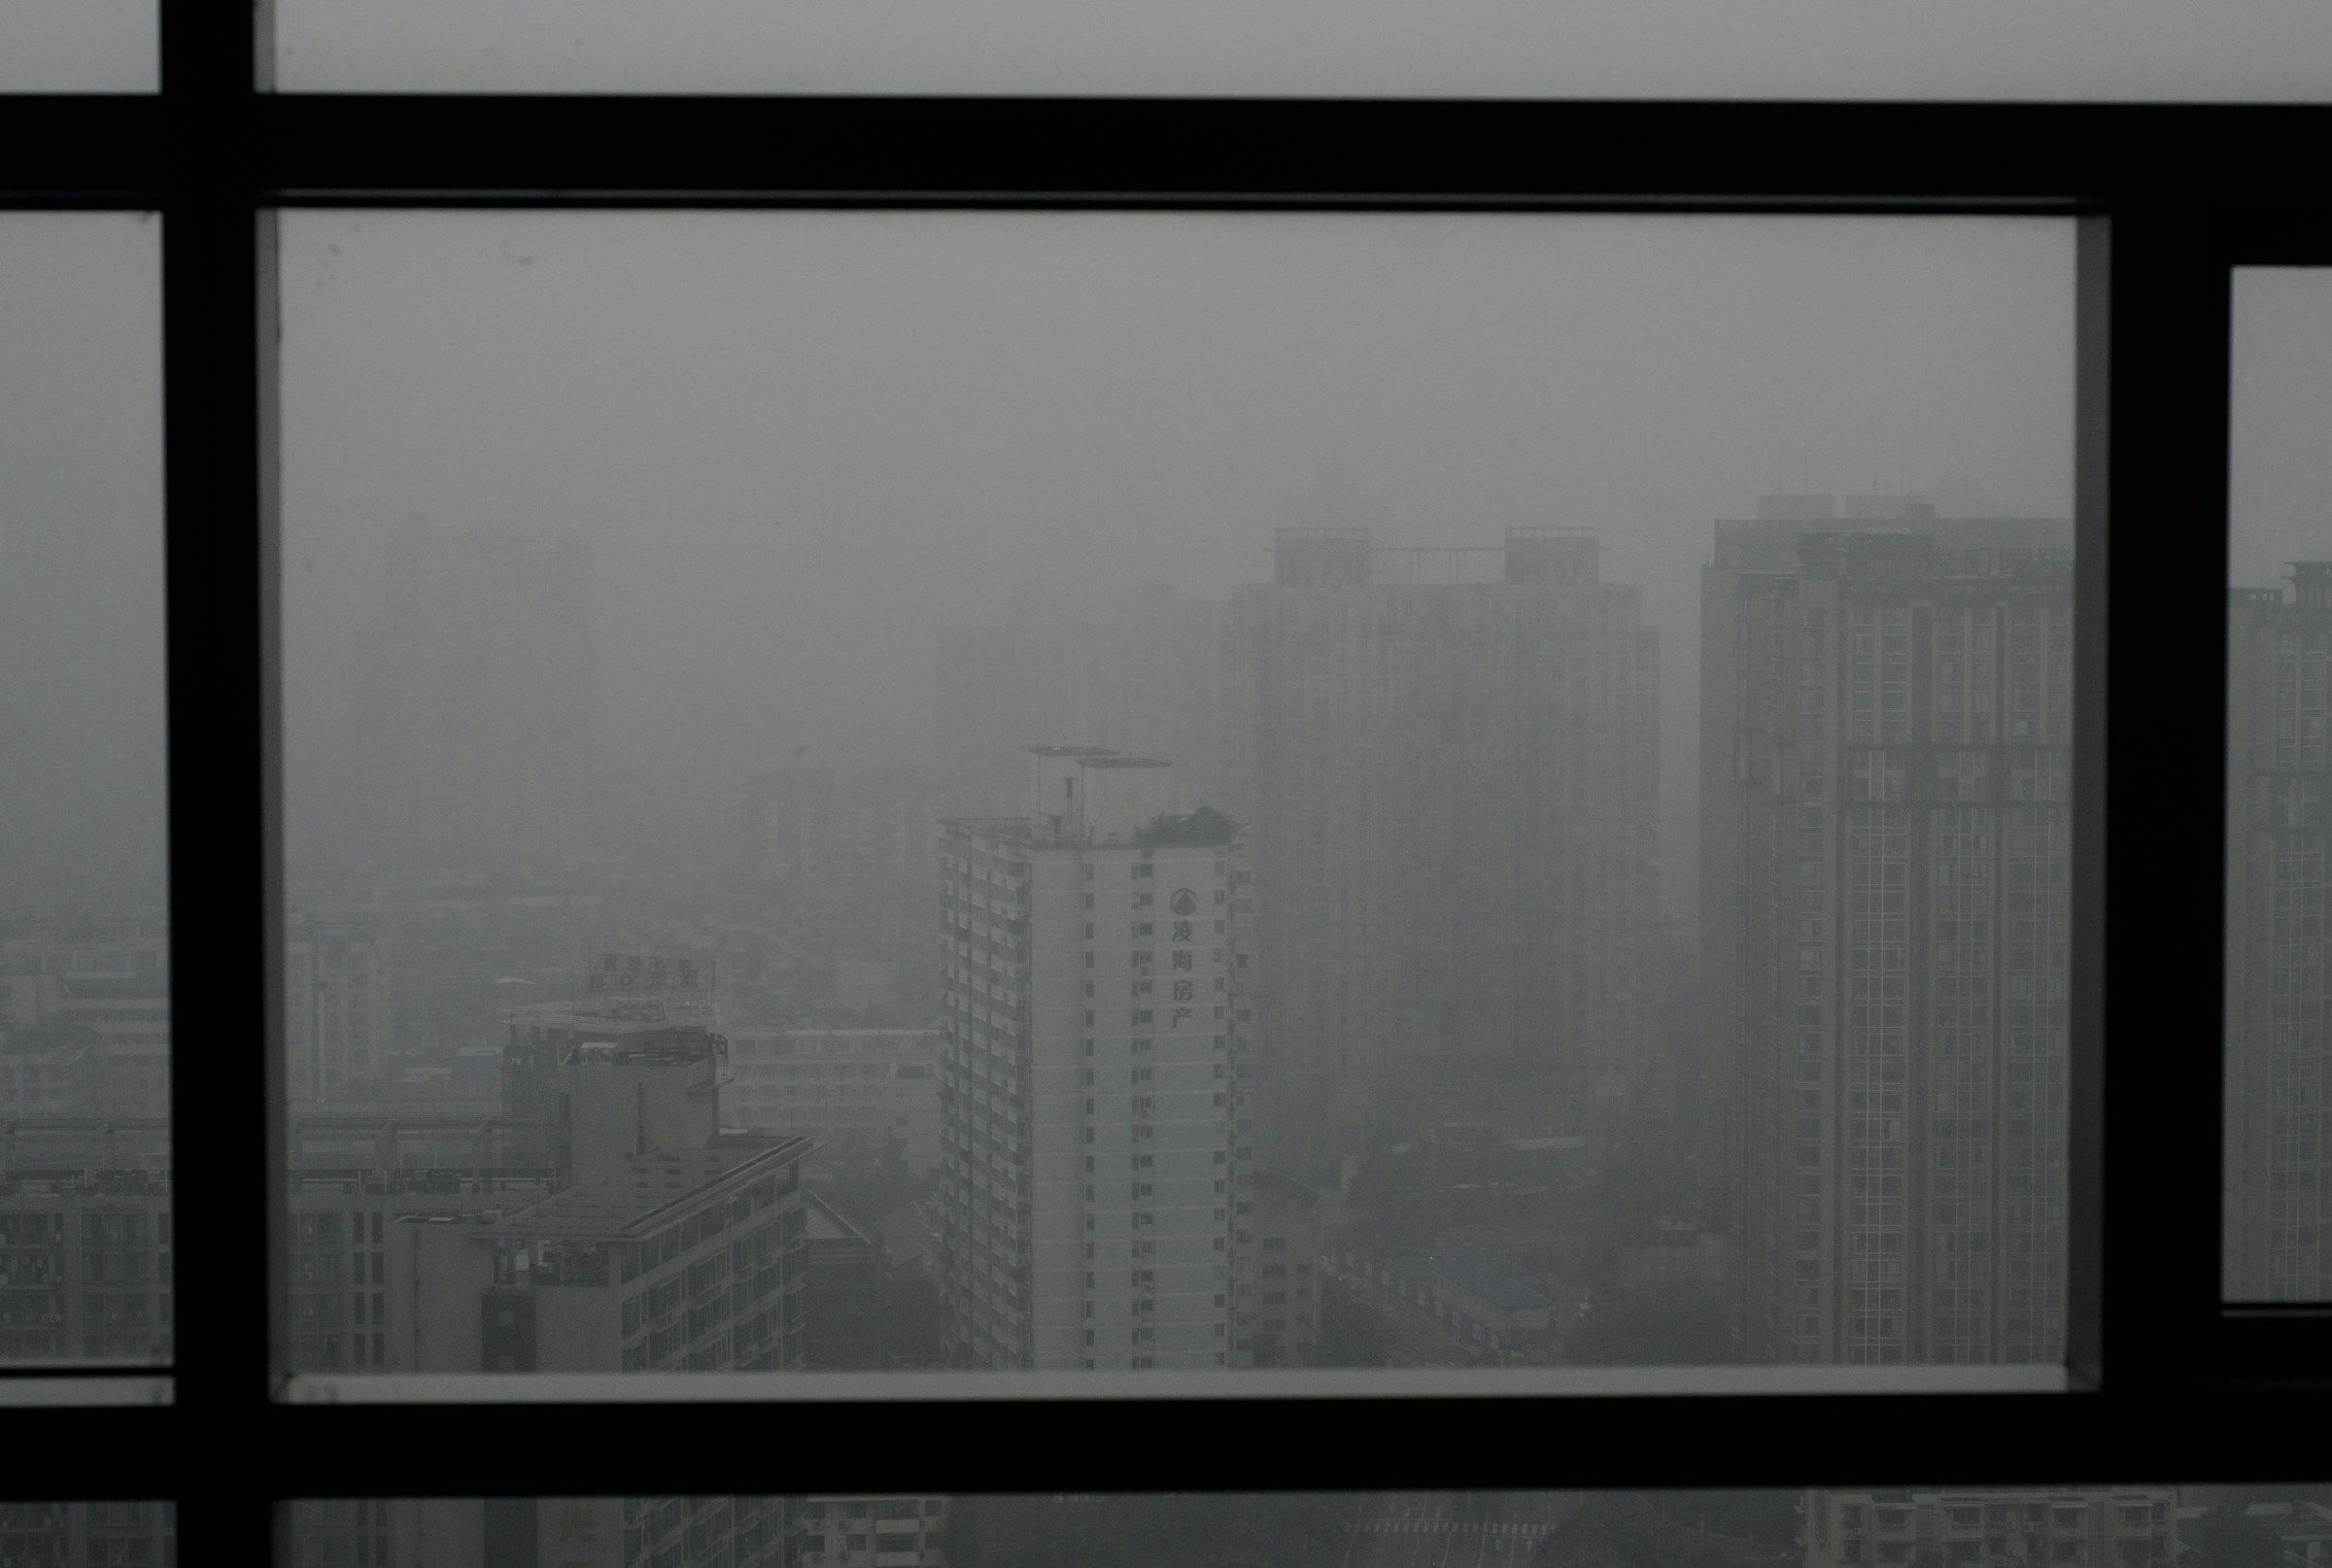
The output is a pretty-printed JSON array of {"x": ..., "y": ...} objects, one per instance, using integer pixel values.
[
  {"x": 2278, "y": 1193},
  {"x": 1096, "y": 1148},
  {"x": 873, "y": 1532},
  {"x": 862, "y": 1090},
  {"x": 1449, "y": 758},
  {"x": 2124, "y": 1527},
  {"x": 1900, "y": 735},
  {"x": 336, "y": 1039}
]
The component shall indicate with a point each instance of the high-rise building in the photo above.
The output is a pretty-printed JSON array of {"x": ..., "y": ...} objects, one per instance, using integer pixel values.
[
  {"x": 336, "y": 1041},
  {"x": 2278, "y": 1190},
  {"x": 1895, "y": 809},
  {"x": 1449, "y": 760},
  {"x": 1095, "y": 1144},
  {"x": 1749, "y": 548},
  {"x": 1140, "y": 672}
]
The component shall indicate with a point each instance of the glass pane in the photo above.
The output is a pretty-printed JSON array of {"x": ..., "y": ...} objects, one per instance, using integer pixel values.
[
  {"x": 2125, "y": 1526},
  {"x": 2089, "y": 49},
  {"x": 1465, "y": 903},
  {"x": 85, "y": 953},
  {"x": 78, "y": 46},
  {"x": 2278, "y": 1235}
]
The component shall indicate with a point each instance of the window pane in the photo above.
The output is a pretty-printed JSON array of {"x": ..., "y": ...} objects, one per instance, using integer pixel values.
[
  {"x": 673, "y": 602},
  {"x": 78, "y": 46},
  {"x": 84, "y": 956},
  {"x": 2279, "y": 1179},
  {"x": 2086, "y": 49},
  {"x": 2124, "y": 1526}
]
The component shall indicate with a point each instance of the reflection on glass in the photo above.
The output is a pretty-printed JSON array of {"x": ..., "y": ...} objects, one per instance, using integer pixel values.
[
  {"x": 85, "y": 953},
  {"x": 1174, "y": 791},
  {"x": 2277, "y": 1194},
  {"x": 2143, "y": 1525},
  {"x": 78, "y": 46}
]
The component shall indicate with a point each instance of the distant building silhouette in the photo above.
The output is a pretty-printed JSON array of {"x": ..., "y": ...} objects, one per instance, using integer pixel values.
[
  {"x": 1886, "y": 742},
  {"x": 2278, "y": 1034},
  {"x": 1449, "y": 760}
]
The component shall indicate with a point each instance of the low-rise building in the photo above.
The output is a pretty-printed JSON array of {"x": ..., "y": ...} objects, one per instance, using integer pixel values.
[
  {"x": 851, "y": 1090},
  {"x": 2124, "y": 1527},
  {"x": 873, "y": 1532}
]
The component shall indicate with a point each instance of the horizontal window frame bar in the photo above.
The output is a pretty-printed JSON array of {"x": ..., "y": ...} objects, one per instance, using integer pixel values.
[
  {"x": 444, "y": 145},
  {"x": 1310, "y": 1385},
  {"x": 1625, "y": 1443}
]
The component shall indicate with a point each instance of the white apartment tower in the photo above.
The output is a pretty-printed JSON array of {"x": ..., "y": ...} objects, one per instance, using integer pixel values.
[{"x": 1095, "y": 1144}]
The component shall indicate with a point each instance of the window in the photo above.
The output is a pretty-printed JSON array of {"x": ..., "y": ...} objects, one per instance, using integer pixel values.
[
  {"x": 85, "y": 955},
  {"x": 283, "y": 959},
  {"x": 2277, "y": 1247}
]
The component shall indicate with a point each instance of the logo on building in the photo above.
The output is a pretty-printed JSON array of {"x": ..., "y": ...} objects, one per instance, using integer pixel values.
[{"x": 1184, "y": 901}]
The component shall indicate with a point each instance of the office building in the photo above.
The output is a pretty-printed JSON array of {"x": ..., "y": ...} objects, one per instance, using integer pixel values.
[
  {"x": 1095, "y": 1144},
  {"x": 856, "y": 1092},
  {"x": 2278, "y": 1195},
  {"x": 2121, "y": 1527},
  {"x": 1449, "y": 761},
  {"x": 1900, "y": 735},
  {"x": 336, "y": 1043}
]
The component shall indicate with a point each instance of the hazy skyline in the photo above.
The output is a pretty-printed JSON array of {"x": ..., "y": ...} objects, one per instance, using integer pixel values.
[{"x": 798, "y": 442}]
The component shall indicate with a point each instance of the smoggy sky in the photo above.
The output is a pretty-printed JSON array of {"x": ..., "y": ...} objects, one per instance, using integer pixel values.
[
  {"x": 2245, "y": 50},
  {"x": 2279, "y": 464},
  {"x": 798, "y": 441},
  {"x": 80, "y": 561},
  {"x": 1820, "y": 49}
]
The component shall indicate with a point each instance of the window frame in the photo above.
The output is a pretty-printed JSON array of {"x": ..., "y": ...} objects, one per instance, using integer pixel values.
[{"x": 2168, "y": 197}]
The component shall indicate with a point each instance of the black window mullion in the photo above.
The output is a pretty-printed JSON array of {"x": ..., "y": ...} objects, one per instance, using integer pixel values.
[{"x": 225, "y": 1103}]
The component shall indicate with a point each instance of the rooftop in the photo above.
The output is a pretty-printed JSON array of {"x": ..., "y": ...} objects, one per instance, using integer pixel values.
[{"x": 650, "y": 1189}]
